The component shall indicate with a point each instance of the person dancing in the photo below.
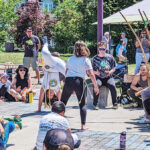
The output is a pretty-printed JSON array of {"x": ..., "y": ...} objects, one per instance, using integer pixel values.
[{"x": 76, "y": 69}]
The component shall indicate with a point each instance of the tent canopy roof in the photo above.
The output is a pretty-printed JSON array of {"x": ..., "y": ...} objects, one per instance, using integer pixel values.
[{"x": 131, "y": 13}]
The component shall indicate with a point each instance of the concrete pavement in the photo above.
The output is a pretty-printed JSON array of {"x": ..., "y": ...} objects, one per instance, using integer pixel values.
[{"x": 104, "y": 126}]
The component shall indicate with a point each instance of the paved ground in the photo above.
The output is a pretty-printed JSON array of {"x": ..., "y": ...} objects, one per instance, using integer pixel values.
[{"x": 104, "y": 127}]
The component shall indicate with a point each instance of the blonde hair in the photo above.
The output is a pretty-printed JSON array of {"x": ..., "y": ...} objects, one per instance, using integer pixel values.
[
  {"x": 64, "y": 147},
  {"x": 80, "y": 49},
  {"x": 101, "y": 43}
]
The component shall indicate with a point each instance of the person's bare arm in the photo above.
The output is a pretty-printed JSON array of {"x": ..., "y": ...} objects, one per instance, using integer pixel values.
[
  {"x": 23, "y": 46},
  {"x": 134, "y": 83},
  {"x": 92, "y": 76},
  {"x": 39, "y": 46},
  {"x": 40, "y": 100},
  {"x": 13, "y": 85},
  {"x": 29, "y": 84},
  {"x": 148, "y": 43},
  {"x": 66, "y": 71},
  {"x": 137, "y": 44}
]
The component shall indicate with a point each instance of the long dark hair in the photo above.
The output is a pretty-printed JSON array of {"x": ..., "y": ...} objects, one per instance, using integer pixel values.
[{"x": 26, "y": 76}]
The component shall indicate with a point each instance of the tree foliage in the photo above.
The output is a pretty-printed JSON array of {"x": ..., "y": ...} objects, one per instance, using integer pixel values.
[
  {"x": 30, "y": 15},
  {"x": 7, "y": 16},
  {"x": 85, "y": 13}
]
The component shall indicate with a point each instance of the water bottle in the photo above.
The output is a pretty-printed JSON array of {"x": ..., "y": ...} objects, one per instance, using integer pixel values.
[
  {"x": 123, "y": 140},
  {"x": 27, "y": 98},
  {"x": 30, "y": 97}
]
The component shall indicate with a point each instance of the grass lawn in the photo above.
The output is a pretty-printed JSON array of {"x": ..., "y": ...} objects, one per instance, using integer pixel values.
[{"x": 17, "y": 57}]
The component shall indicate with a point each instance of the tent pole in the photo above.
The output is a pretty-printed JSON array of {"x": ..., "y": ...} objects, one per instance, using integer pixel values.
[
  {"x": 109, "y": 36},
  {"x": 138, "y": 30}
]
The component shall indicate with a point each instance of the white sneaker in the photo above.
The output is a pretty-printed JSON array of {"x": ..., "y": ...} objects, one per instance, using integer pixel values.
[{"x": 144, "y": 120}]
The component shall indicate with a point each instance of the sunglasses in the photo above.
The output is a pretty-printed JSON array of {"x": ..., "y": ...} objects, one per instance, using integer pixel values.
[
  {"x": 21, "y": 70},
  {"x": 101, "y": 49}
]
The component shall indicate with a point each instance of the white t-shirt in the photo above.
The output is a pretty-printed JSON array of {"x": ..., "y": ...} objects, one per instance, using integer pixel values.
[
  {"x": 50, "y": 121},
  {"x": 7, "y": 85},
  {"x": 51, "y": 81},
  {"x": 77, "y": 66}
]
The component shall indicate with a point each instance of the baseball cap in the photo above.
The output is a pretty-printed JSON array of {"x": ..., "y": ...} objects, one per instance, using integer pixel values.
[
  {"x": 57, "y": 137},
  {"x": 3, "y": 75},
  {"x": 29, "y": 29}
]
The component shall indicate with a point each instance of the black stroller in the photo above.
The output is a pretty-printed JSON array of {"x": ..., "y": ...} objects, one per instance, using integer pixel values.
[{"x": 121, "y": 70}]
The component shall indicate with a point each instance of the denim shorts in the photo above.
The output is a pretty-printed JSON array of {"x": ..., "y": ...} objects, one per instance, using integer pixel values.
[{"x": 31, "y": 61}]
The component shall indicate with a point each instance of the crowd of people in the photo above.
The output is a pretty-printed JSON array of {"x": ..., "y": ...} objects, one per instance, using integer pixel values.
[{"x": 54, "y": 130}]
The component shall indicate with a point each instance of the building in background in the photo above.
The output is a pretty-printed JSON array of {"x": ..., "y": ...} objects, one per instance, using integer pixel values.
[{"x": 45, "y": 4}]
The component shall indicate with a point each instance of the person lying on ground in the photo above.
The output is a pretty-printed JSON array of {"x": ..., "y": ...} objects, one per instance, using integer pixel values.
[
  {"x": 21, "y": 84},
  {"x": 5, "y": 88},
  {"x": 139, "y": 82},
  {"x": 7, "y": 127},
  {"x": 54, "y": 120}
]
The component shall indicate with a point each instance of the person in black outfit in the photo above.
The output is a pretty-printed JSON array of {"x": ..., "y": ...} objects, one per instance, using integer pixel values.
[
  {"x": 21, "y": 84},
  {"x": 104, "y": 66}
]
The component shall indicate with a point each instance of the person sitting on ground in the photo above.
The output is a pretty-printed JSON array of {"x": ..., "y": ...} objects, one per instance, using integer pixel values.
[
  {"x": 104, "y": 66},
  {"x": 7, "y": 127},
  {"x": 58, "y": 139},
  {"x": 119, "y": 51},
  {"x": 5, "y": 88},
  {"x": 146, "y": 106},
  {"x": 21, "y": 84},
  {"x": 54, "y": 120},
  {"x": 139, "y": 82}
]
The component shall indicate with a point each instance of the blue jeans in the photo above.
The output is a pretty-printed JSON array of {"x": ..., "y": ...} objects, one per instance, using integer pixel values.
[
  {"x": 139, "y": 58},
  {"x": 8, "y": 128}
]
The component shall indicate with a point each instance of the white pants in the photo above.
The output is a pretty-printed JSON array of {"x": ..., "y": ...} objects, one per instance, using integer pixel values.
[{"x": 51, "y": 81}]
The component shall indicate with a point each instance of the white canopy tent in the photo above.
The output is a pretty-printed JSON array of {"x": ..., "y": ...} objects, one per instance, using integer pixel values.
[{"x": 131, "y": 13}]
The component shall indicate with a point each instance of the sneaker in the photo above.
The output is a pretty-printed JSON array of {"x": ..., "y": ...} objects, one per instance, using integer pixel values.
[
  {"x": 95, "y": 107},
  {"x": 115, "y": 106},
  {"x": 39, "y": 82},
  {"x": 144, "y": 120}
]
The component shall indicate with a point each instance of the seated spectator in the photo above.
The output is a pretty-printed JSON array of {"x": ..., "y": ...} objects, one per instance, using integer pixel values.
[
  {"x": 53, "y": 120},
  {"x": 139, "y": 82},
  {"x": 7, "y": 127},
  {"x": 21, "y": 84},
  {"x": 58, "y": 139},
  {"x": 5, "y": 88},
  {"x": 104, "y": 65},
  {"x": 146, "y": 106},
  {"x": 119, "y": 51}
]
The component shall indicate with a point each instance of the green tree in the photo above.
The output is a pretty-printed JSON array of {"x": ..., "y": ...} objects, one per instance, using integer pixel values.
[
  {"x": 7, "y": 16},
  {"x": 67, "y": 28}
]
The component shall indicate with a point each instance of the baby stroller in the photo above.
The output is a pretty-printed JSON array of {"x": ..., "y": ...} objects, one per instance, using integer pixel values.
[{"x": 118, "y": 75}]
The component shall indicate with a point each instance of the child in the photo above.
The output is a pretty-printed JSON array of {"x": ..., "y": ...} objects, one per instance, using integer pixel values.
[
  {"x": 4, "y": 88},
  {"x": 120, "y": 49},
  {"x": 7, "y": 128}
]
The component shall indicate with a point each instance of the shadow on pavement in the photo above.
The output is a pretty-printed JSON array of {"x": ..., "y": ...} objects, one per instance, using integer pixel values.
[{"x": 42, "y": 113}]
